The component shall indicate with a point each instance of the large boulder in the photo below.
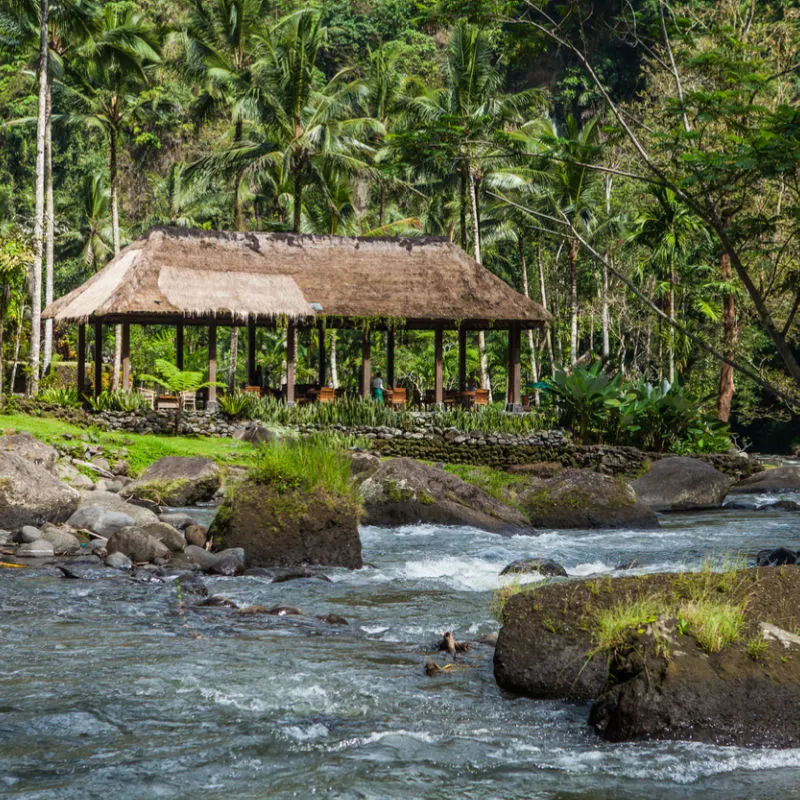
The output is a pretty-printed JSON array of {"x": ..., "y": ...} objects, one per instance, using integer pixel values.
[
  {"x": 584, "y": 499},
  {"x": 138, "y": 545},
  {"x": 176, "y": 481},
  {"x": 167, "y": 535},
  {"x": 781, "y": 479},
  {"x": 105, "y": 512},
  {"x": 288, "y": 527},
  {"x": 30, "y": 494},
  {"x": 34, "y": 450},
  {"x": 403, "y": 491},
  {"x": 681, "y": 484},
  {"x": 63, "y": 540},
  {"x": 637, "y": 647}
]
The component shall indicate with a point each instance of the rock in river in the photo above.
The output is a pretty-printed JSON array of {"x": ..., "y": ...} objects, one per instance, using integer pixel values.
[
  {"x": 138, "y": 545},
  {"x": 579, "y": 498},
  {"x": 277, "y": 527},
  {"x": 30, "y": 494},
  {"x": 660, "y": 672},
  {"x": 544, "y": 566},
  {"x": 176, "y": 481},
  {"x": 781, "y": 479},
  {"x": 680, "y": 484},
  {"x": 403, "y": 491}
]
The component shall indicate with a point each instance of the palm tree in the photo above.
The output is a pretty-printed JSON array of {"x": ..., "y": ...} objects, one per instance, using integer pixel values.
[
  {"x": 571, "y": 190},
  {"x": 668, "y": 229},
  {"x": 108, "y": 78},
  {"x": 65, "y": 24},
  {"x": 93, "y": 239},
  {"x": 467, "y": 118}
]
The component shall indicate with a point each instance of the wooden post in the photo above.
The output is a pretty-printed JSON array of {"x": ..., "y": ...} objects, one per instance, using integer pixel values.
[
  {"x": 126, "y": 357},
  {"x": 514, "y": 377},
  {"x": 390, "y": 357},
  {"x": 323, "y": 355},
  {"x": 98, "y": 357},
  {"x": 179, "y": 345},
  {"x": 81, "y": 360},
  {"x": 438, "y": 367},
  {"x": 212, "y": 367},
  {"x": 251, "y": 352},
  {"x": 291, "y": 366},
  {"x": 462, "y": 360},
  {"x": 366, "y": 365}
]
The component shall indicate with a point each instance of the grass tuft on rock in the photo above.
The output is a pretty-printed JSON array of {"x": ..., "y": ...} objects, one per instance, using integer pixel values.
[
  {"x": 714, "y": 625},
  {"x": 305, "y": 464},
  {"x": 614, "y": 624}
]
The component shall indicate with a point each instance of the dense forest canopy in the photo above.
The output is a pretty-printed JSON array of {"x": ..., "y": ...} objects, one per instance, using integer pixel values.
[{"x": 630, "y": 165}]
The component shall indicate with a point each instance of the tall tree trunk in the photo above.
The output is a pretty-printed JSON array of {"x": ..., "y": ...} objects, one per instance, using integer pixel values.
[
  {"x": 3, "y": 307},
  {"x": 476, "y": 243},
  {"x": 381, "y": 204},
  {"x": 523, "y": 266},
  {"x": 234, "y": 358},
  {"x": 462, "y": 206},
  {"x": 298, "y": 205},
  {"x": 113, "y": 141},
  {"x": 730, "y": 334},
  {"x": 238, "y": 213},
  {"x": 572, "y": 256},
  {"x": 542, "y": 289},
  {"x": 671, "y": 330},
  {"x": 35, "y": 278},
  {"x": 17, "y": 340},
  {"x": 605, "y": 321},
  {"x": 332, "y": 362},
  {"x": 49, "y": 248}
]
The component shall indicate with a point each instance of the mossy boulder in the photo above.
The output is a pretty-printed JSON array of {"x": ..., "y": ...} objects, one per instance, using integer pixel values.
[
  {"x": 176, "y": 481},
  {"x": 279, "y": 527},
  {"x": 681, "y": 484},
  {"x": 658, "y": 677},
  {"x": 402, "y": 491},
  {"x": 584, "y": 499}
]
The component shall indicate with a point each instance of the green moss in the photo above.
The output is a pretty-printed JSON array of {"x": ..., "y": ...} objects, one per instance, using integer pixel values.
[
  {"x": 160, "y": 491},
  {"x": 398, "y": 494},
  {"x": 426, "y": 498}
]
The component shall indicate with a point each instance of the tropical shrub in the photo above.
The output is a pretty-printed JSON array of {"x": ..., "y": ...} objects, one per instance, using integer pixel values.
[
  {"x": 115, "y": 401},
  {"x": 67, "y": 398}
]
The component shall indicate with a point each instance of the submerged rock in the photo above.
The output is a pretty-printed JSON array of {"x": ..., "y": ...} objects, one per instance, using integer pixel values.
[
  {"x": 544, "y": 566},
  {"x": 403, "y": 491},
  {"x": 680, "y": 484},
  {"x": 176, "y": 481},
  {"x": 778, "y": 557}
]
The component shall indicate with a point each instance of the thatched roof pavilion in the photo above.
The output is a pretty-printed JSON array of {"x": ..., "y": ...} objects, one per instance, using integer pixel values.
[{"x": 181, "y": 276}]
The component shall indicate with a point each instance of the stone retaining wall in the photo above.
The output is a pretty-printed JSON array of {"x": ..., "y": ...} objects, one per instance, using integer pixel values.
[{"x": 427, "y": 442}]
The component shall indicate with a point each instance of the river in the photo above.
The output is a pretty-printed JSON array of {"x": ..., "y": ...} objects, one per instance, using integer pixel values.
[{"x": 106, "y": 691}]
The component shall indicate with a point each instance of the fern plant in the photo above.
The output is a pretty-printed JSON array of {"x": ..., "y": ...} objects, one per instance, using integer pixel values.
[{"x": 176, "y": 382}]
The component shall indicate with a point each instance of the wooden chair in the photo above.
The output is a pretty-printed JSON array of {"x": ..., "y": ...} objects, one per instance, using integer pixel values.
[
  {"x": 396, "y": 398},
  {"x": 326, "y": 394},
  {"x": 148, "y": 395},
  {"x": 252, "y": 390},
  {"x": 166, "y": 401},
  {"x": 481, "y": 397},
  {"x": 189, "y": 401}
]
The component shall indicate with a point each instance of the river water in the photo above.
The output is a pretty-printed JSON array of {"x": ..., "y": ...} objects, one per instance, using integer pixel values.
[{"x": 106, "y": 691}]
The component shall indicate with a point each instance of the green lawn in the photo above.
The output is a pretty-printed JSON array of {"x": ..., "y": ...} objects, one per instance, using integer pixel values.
[{"x": 142, "y": 450}]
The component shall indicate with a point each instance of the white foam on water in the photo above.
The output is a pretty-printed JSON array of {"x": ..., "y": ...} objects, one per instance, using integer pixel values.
[
  {"x": 307, "y": 733},
  {"x": 462, "y": 574},
  {"x": 594, "y": 568},
  {"x": 373, "y": 738}
]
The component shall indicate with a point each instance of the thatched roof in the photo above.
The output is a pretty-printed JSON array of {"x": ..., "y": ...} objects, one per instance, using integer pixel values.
[{"x": 174, "y": 273}]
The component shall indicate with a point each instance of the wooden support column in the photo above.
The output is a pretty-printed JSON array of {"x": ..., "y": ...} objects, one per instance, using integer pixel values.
[
  {"x": 323, "y": 354},
  {"x": 390, "y": 357},
  {"x": 179, "y": 345},
  {"x": 514, "y": 375},
  {"x": 98, "y": 357},
  {"x": 81, "y": 359},
  {"x": 462, "y": 360},
  {"x": 366, "y": 365},
  {"x": 126, "y": 357},
  {"x": 251, "y": 352},
  {"x": 212, "y": 367},
  {"x": 291, "y": 365},
  {"x": 438, "y": 368}
]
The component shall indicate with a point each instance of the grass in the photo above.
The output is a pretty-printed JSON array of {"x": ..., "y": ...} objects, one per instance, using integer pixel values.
[
  {"x": 495, "y": 482},
  {"x": 305, "y": 463},
  {"x": 141, "y": 449},
  {"x": 613, "y": 625},
  {"x": 714, "y": 625}
]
